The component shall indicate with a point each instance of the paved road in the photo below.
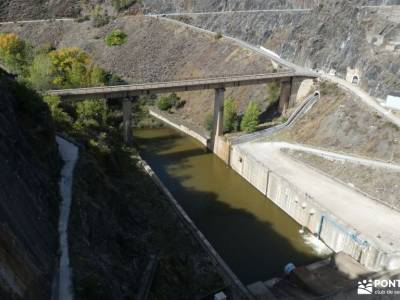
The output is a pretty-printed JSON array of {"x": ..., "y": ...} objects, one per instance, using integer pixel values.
[
  {"x": 38, "y": 21},
  {"x": 365, "y": 215},
  {"x": 337, "y": 156},
  {"x": 364, "y": 96},
  {"x": 231, "y": 12}
]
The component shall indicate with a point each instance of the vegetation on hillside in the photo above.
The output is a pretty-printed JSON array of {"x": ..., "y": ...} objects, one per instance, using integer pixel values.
[
  {"x": 115, "y": 38},
  {"x": 15, "y": 53},
  {"x": 167, "y": 102},
  {"x": 251, "y": 117},
  {"x": 230, "y": 115}
]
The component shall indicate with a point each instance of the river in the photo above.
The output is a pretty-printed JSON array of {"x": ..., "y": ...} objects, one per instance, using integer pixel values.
[{"x": 254, "y": 236}]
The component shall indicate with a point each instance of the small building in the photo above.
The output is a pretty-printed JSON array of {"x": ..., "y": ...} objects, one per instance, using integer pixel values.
[{"x": 393, "y": 101}]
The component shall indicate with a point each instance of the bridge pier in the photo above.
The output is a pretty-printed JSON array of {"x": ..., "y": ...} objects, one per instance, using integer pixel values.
[
  {"x": 218, "y": 120},
  {"x": 289, "y": 90},
  {"x": 127, "y": 120}
]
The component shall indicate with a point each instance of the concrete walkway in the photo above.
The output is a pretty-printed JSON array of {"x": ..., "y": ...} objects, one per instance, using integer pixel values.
[
  {"x": 371, "y": 219},
  {"x": 337, "y": 156}
]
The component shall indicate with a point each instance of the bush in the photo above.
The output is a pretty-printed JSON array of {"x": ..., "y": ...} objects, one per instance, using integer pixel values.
[
  {"x": 115, "y": 38},
  {"x": 168, "y": 102},
  {"x": 15, "y": 53},
  {"x": 40, "y": 73},
  {"x": 92, "y": 113},
  {"x": 59, "y": 116},
  {"x": 230, "y": 115},
  {"x": 218, "y": 35},
  {"x": 250, "y": 119}
]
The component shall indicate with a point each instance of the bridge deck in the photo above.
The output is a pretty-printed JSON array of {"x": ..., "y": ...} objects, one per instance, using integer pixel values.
[{"x": 122, "y": 91}]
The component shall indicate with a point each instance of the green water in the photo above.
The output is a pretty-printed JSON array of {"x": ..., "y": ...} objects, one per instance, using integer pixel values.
[{"x": 254, "y": 236}]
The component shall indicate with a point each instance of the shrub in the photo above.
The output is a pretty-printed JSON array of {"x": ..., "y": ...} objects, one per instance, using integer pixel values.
[
  {"x": 230, "y": 115},
  {"x": 168, "y": 102},
  {"x": 250, "y": 119},
  {"x": 92, "y": 113},
  {"x": 15, "y": 53},
  {"x": 40, "y": 73},
  {"x": 115, "y": 38},
  {"x": 59, "y": 116},
  {"x": 218, "y": 35}
]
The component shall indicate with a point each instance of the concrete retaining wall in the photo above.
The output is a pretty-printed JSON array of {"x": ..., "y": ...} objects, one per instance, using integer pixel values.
[
  {"x": 185, "y": 128},
  {"x": 308, "y": 213}
]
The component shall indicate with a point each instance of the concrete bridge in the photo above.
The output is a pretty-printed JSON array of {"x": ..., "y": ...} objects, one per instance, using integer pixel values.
[{"x": 290, "y": 82}]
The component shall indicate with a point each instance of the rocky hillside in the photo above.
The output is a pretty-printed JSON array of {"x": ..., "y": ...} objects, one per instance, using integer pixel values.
[
  {"x": 338, "y": 36},
  {"x": 28, "y": 195},
  {"x": 159, "y": 50}
]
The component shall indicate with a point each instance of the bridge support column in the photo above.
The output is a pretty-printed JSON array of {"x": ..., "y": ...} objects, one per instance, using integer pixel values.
[
  {"x": 127, "y": 120},
  {"x": 284, "y": 99},
  {"x": 294, "y": 90},
  {"x": 218, "y": 120}
]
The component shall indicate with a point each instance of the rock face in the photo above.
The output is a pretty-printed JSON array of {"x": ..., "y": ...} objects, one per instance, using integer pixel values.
[
  {"x": 340, "y": 36},
  {"x": 28, "y": 195}
]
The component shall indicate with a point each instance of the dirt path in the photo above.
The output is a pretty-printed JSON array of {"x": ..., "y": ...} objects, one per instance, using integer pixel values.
[{"x": 337, "y": 156}]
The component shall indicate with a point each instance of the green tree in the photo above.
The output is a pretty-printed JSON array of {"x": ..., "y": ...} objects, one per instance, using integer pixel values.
[
  {"x": 250, "y": 119},
  {"x": 230, "y": 115},
  {"x": 15, "y": 53},
  {"x": 40, "y": 72},
  {"x": 168, "y": 102},
  {"x": 59, "y": 116},
  {"x": 91, "y": 112},
  {"x": 72, "y": 67}
]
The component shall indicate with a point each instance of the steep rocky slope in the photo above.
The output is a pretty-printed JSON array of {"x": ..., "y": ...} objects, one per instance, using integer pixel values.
[
  {"x": 338, "y": 35},
  {"x": 28, "y": 195}
]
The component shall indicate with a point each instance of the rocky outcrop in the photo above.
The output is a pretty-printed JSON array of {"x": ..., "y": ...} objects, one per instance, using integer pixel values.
[{"x": 28, "y": 194}]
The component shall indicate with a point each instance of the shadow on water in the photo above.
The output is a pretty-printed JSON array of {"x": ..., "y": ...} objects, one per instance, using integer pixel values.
[{"x": 255, "y": 237}]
